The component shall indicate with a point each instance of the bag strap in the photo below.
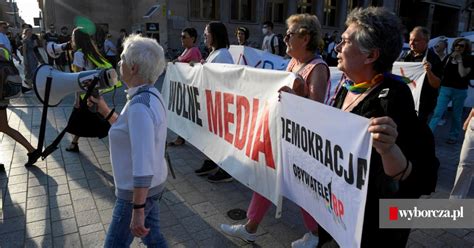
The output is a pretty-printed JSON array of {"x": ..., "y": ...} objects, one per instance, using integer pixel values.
[
  {"x": 148, "y": 91},
  {"x": 272, "y": 45}
]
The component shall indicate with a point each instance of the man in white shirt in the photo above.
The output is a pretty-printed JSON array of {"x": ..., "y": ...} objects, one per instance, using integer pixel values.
[{"x": 270, "y": 41}]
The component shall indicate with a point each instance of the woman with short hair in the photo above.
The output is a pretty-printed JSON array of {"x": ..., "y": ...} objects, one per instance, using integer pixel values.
[
  {"x": 369, "y": 47},
  {"x": 302, "y": 39},
  {"x": 137, "y": 141}
]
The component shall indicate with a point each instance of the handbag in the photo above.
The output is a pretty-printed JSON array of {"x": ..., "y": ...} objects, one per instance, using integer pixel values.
[{"x": 85, "y": 123}]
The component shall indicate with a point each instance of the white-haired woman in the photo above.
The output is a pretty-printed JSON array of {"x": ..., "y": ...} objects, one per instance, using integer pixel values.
[{"x": 137, "y": 145}]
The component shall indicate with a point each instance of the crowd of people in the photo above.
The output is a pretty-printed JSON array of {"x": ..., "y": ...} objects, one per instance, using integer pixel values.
[{"x": 365, "y": 53}]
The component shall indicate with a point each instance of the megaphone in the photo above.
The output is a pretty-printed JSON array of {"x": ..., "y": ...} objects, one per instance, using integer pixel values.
[
  {"x": 64, "y": 83},
  {"x": 54, "y": 50}
]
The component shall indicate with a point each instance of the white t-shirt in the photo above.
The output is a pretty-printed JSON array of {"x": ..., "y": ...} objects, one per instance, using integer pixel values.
[
  {"x": 109, "y": 48},
  {"x": 266, "y": 46},
  {"x": 137, "y": 144},
  {"x": 79, "y": 61},
  {"x": 5, "y": 42},
  {"x": 220, "y": 56}
]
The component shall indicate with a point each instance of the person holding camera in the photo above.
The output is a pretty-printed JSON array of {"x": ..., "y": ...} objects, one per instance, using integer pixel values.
[
  {"x": 454, "y": 84},
  {"x": 83, "y": 122},
  {"x": 137, "y": 141}
]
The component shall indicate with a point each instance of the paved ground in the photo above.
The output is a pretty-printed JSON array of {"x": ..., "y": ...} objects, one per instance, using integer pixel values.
[{"x": 67, "y": 200}]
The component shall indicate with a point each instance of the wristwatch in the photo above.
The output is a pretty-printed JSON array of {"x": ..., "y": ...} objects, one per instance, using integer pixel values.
[{"x": 138, "y": 206}]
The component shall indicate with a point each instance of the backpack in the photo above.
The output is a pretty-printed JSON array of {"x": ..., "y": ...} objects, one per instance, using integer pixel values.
[
  {"x": 10, "y": 80},
  {"x": 281, "y": 45}
]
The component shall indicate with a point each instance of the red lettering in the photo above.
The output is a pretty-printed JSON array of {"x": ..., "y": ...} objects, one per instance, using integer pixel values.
[
  {"x": 265, "y": 145},
  {"x": 228, "y": 117},
  {"x": 241, "y": 133},
  {"x": 252, "y": 126},
  {"x": 214, "y": 112}
]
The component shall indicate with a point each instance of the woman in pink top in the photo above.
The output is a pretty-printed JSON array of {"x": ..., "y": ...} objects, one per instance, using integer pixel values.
[
  {"x": 302, "y": 40},
  {"x": 191, "y": 54},
  {"x": 188, "y": 41}
]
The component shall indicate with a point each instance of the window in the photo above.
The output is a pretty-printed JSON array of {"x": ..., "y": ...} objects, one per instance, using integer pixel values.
[
  {"x": 243, "y": 10},
  {"x": 305, "y": 6},
  {"x": 275, "y": 11},
  {"x": 330, "y": 13},
  {"x": 204, "y": 9}
]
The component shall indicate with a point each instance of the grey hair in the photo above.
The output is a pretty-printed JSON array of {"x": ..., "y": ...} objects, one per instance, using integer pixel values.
[
  {"x": 378, "y": 29},
  {"x": 423, "y": 31},
  {"x": 147, "y": 54}
]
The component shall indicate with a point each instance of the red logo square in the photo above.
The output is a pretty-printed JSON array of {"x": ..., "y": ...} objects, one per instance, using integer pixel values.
[{"x": 393, "y": 213}]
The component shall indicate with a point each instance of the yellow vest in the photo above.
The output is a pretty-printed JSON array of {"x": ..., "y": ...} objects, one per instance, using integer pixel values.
[{"x": 103, "y": 64}]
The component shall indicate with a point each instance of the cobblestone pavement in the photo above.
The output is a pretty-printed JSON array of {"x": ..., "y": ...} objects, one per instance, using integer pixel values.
[{"x": 67, "y": 199}]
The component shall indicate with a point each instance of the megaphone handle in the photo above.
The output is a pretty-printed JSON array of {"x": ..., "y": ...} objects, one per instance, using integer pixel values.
[{"x": 93, "y": 108}]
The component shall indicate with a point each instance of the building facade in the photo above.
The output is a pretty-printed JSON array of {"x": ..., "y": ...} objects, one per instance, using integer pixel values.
[
  {"x": 164, "y": 19},
  {"x": 9, "y": 13}
]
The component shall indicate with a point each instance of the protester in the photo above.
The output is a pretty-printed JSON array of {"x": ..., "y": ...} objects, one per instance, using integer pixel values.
[
  {"x": 137, "y": 146},
  {"x": 191, "y": 53},
  {"x": 466, "y": 162},
  {"x": 51, "y": 36},
  {"x": 217, "y": 40},
  {"x": 31, "y": 60},
  {"x": 440, "y": 49},
  {"x": 82, "y": 122},
  {"x": 303, "y": 40},
  {"x": 110, "y": 50},
  {"x": 369, "y": 46},
  {"x": 5, "y": 41},
  {"x": 243, "y": 34},
  {"x": 64, "y": 60},
  {"x": 331, "y": 58},
  {"x": 270, "y": 41},
  {"x": 454, "y": 85},
  {"x": 123, "y": 35},
  {"x": 14, "y": 45},
  {"x": 33, "y": 155},
  {"x": 419, "y": 52}
]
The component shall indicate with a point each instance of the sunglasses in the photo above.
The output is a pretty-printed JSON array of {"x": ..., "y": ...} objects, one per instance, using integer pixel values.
[{"x": 460, "y": 45}]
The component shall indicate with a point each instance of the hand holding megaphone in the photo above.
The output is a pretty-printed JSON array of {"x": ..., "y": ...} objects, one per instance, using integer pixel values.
[{"x": 99, "y": 101}]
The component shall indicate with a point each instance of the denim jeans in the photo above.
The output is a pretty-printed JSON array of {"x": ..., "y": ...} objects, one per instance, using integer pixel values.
[
  {"x": 466, "y": 165},
  {"x": 119, "y": 233},
  {"x": 447, "y": 94}
]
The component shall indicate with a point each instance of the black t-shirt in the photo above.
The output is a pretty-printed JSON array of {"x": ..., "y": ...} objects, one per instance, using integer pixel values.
[
  {"x": 51, "y": 37},
  {"x": 451, "y": 74},
  {"x": 64, "y": 38}
]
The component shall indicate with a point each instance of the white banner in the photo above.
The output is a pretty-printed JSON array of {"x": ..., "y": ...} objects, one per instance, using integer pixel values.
[
  {"x": 229, "y": 113},
  {"x": 416, "y": 73},
  {"x": 325, "y": 165},
  {"x": 256, "y": 58}
]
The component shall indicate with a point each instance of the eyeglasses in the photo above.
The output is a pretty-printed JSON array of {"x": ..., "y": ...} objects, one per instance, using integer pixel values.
[
  {"x": 460, "y": 45},
  {"x": 183, "y": 37},
  {"x": 289, "y": 35}
]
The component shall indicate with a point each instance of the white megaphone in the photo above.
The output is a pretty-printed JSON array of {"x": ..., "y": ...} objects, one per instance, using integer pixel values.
[
  {"x": 63, "y": 83},
  {"x": 54, "y": 50}
]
